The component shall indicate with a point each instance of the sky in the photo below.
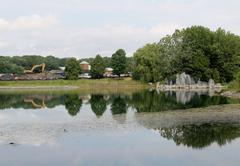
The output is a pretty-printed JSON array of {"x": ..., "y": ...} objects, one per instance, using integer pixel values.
[{"x": 85, "y": 28}]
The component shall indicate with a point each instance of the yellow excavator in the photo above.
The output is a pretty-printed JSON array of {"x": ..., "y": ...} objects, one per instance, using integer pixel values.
[{"x": 34, "y": 67}]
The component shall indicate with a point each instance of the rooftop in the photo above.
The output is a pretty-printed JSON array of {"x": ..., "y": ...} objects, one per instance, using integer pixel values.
[{"x": 84, "y": 62}]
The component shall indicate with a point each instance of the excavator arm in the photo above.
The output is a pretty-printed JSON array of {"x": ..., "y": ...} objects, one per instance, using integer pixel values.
[{"x": 34, "y": 67}]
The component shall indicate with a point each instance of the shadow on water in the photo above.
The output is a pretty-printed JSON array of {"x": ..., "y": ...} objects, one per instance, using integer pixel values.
[{"x": 170, "y": 115}]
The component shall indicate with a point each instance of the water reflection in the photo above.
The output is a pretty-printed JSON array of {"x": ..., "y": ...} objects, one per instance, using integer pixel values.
[
  {"x": 146, "y": 101},
  {"x": 156, "y": 102},
  {"x": 72, "y": 104},
  {"x": 170, "y": 114},
  {"x": 200, "y": 136},
  {"x": 119, "y": 106},
  {"x": 35, "y": 105},
  {"x": 98, "y": 105}
]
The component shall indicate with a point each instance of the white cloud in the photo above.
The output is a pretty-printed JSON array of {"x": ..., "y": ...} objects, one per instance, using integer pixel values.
[
  {"x": 28, "y": 23},
  {"x": 3, "y": 24},
  {"x": 33, "y": 22},
  {"x": 165, "y": 29},
  {"x": 3, "y": 44},
  {"x": 31, "y": 35},
  {"x": 84, "y": 28}
]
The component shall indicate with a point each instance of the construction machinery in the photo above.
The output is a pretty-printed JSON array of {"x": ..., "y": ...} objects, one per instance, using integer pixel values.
[{"x": 34, "y": 67}]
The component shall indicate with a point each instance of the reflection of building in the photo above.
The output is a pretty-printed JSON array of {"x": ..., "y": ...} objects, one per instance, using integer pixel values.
[
  {"x": 85, "y": 98},
  {"x": 62, "y": 68}
]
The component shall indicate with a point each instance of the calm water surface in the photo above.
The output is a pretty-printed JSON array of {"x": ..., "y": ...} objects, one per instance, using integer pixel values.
[{"x": 142, "y": 128}]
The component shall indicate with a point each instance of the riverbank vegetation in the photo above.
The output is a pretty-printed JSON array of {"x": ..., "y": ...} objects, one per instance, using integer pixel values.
[{"x": 235, "y": 84}]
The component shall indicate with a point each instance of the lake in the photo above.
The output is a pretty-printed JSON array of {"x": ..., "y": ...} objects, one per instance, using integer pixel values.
[{"x": 139, "y": 128}]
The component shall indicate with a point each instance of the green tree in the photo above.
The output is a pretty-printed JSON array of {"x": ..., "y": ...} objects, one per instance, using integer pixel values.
[
  {"x": 52, "y": 63},
  {"x": 152, "y": 64},
  {"x": 208, "y": 54},
  {"x": 130, "y": 63},
  {"x": 107, "y": 61},
  {"x": 197, "y": 51},
  {"x": 27, "y": 61},
  {"x": 6, "y": 67},
  {"x": 97, "y": 67},
  {"x": 72, "y": 69},
  {"x": 118, "y": 62}
]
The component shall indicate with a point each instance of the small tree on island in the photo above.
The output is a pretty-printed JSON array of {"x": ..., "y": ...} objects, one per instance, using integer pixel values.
[
  {"x": 97, "y": 67},
  {"x": 118, "y": 62},
  {"x": 72, "y": 69}
]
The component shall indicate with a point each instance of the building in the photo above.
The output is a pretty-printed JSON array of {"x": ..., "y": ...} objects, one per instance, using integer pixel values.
[
  {"x": 85, "y": 67},
  {"x": 108, "y": 72},
  {"x": 62, "y": 68}
]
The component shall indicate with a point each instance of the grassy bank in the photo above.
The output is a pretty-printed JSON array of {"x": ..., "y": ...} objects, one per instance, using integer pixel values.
[
  {"x": 101, "y": 85},
  {"x": 234, "y": 86}
]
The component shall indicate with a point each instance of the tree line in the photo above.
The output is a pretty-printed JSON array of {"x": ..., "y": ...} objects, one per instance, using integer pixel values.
[
  {"x": 196, "y": 50},
  {"x": 118, "y": 62},
  {"x": 17, "y": 64}
]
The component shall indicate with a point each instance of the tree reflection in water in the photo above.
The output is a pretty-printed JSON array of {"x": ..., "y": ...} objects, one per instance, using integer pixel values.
[
  {"x": 73, "y": 104},
  {"x": 195, "y": 135},
  {"x": 144, "y": 101},
  {"x": 156, "y": 102},
  {"x": 98, "y": 104},
  {"x": 119, "y": 106},
  {"x": 200, "y": 136}
]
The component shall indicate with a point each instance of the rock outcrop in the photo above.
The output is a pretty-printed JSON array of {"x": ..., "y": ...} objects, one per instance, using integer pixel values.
[{"x": 185, "y": 81}]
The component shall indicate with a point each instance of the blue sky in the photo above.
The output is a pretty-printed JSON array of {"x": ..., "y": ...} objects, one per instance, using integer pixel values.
[{"x": 84, "y": 28}]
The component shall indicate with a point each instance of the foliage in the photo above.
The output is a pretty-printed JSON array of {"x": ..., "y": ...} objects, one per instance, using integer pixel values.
[
  {"x": 130, "y": 63},
  {"x": 118, "y": 62},
  {"x": 97, "y": 67},
  {"x": 197, "y": 51},
  {"x": 72, "y": 69},
  {"x": 235, "y": 84},
  {"x": 152, "y": 64},
  {"x": 10, "y": 68},
  {"x": 17, "y": 64}
]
